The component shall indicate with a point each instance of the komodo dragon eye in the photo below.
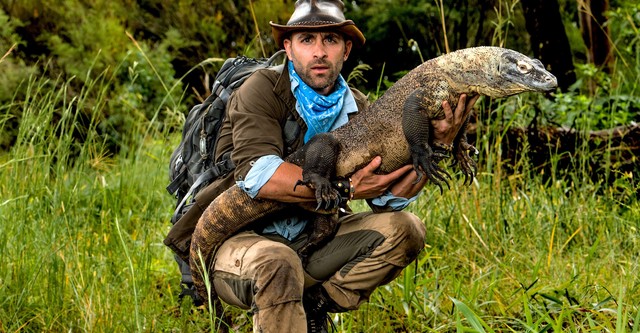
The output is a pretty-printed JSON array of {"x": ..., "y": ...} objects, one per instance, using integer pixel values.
[{"x": 524, "y": 67}]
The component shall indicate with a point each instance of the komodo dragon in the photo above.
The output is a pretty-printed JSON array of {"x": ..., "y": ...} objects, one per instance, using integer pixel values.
[{"x": 395, "y": 127}]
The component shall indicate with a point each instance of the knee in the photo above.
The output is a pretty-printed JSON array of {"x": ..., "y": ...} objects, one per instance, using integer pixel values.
[
  {"x": 279, "y": 276},
  {"x": 409, "y": 225},
  {"x": 408, "y": 234},
  {"x": 279, "y": 259}
]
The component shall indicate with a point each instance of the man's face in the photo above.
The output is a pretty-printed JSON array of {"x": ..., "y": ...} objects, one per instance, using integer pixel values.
[{"x": 318, "y": 57}]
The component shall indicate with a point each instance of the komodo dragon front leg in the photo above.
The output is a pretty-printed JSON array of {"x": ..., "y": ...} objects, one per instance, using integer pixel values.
[
  {"x": 418, "y": 110},
  {"x": 318, "y": 159}
]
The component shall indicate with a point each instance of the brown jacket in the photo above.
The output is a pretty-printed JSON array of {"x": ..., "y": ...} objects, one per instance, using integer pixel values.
[{"x": 256, "y": 111}]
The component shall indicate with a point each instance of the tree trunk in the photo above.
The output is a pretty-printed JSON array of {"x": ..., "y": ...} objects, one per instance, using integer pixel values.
[
  {"x": 549, "y": 41},
  {"x": 595, "y": 35}
]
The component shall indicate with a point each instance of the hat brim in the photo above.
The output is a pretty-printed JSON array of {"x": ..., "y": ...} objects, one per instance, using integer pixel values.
[{"x": 347, "y": 27}]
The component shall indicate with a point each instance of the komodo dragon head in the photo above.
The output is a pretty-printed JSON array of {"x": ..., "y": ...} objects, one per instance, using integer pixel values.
[
  {"x": 524, "y": 74},
  {"x": 496, "y": 72}
]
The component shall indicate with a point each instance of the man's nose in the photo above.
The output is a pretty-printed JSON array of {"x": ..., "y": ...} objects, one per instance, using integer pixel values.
[{"x": 320, "y": 50}]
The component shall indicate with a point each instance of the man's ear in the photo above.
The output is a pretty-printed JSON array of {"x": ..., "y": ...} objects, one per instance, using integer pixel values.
[
  {"x": 287, "y": 48},
  {"x": 347, "y": 48}
]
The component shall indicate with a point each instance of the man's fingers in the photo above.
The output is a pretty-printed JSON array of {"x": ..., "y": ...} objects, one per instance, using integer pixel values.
[
  {"x": 463, "y": 108},
  {"x": 448, "y": 113},
  {"x": 471, "y": 103},
  {"x": 374, "y": 164},
  {"x": 399, "y": 172},
  {"x": 377, "y": 161},
  {"x": 461, "y": 111}
]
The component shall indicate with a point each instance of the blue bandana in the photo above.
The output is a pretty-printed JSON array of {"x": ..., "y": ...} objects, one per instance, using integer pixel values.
[{"x": 318, "y": 111}]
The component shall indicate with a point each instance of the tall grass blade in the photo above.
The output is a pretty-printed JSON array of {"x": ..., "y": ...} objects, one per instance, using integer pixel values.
[
  {"x": 9, "y": 51},
  {"x": 207, "y": 283},
  {"x": 133, "y": 275},
  {"x": 476, "y": 323}
]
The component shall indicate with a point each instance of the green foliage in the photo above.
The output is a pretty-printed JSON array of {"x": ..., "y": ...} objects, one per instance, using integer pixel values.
[
  {"x": 143, "y": 74},
  {"x": 119, "y": 42},
  {"x": 13, "y": 71},
  {"x": 90, "y": 33},
  {"x": 505, "y": 14},
  {"x": 625, "y": 30},
  {"x": 525, "y": 250},
  {"x": 66, "y": 248},
  {"x": 610, "y": 105},
  {"x": 389, "y": 25},
  {"x": 88, "y": 44}
]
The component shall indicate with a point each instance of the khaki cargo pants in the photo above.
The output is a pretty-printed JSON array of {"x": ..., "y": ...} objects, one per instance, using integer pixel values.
[{"x": 265, "y": 275}]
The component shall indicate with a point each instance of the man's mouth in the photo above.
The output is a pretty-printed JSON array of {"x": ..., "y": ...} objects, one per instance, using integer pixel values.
[{"x": 319, "y": 69}]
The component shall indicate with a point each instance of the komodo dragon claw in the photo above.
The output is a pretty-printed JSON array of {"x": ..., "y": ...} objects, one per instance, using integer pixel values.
[
  {"x": 467, "y": 164},
  {"x": 425, "y": 162},
  {"x": 327, "y": 197}
]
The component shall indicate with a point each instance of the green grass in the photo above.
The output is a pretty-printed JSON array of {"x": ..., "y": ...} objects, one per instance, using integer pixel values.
[{"x": 81, "y": 240}]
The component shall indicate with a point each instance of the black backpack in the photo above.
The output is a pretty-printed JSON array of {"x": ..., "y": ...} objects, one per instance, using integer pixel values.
[{"x": 192, "y": 166}]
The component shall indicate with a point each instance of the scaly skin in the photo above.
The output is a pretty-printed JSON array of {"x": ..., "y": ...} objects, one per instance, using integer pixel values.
[{"x": 395, "y": 127}]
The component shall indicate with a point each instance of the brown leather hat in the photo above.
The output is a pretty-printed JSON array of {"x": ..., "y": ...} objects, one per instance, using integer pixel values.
[{"x": 318, "y": 15}]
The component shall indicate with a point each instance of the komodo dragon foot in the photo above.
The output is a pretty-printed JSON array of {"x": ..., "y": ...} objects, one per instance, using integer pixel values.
[
  {"x": 425, "y": 162},
  {"x": 465, "y": 162},
  {"x": 327, "y": 197},
  {"x": 325, "y": 223}
]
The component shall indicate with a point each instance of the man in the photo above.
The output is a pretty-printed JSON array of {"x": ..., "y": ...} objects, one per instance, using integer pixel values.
[{"x": 259, "y": 269}]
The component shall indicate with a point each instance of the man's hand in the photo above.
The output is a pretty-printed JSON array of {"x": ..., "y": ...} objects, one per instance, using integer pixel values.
[
  {"x": 445, "y": 130},
  {"x": 368, "y": 184}
]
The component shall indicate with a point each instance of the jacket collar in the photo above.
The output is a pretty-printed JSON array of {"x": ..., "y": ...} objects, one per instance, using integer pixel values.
[{"x": 282, "y": 88}]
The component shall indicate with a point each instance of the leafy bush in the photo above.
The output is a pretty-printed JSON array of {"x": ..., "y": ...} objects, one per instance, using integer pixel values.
[
  {"x": 86, "y": 44},
  {"x": 13, "y": 71}
]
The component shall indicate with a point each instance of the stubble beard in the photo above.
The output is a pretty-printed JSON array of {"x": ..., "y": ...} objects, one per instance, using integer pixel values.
[{"x": 318, "y": 82}]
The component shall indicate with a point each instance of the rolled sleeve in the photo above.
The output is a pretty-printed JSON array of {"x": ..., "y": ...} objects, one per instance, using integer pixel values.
[{"x": 261, "y": 171}]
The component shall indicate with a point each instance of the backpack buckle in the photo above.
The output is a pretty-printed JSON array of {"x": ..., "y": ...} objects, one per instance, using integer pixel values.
[{"x": 189, "y": 289}]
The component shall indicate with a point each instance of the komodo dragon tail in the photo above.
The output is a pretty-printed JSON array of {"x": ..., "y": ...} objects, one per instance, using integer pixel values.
[{"x": 232, "y": 210}]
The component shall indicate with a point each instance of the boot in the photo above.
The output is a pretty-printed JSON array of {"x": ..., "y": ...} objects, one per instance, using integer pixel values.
[{"x": 317, "y": 304}]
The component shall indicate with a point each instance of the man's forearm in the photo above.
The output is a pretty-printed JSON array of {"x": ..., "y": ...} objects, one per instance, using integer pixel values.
[{"x": 280, "y": 185}]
